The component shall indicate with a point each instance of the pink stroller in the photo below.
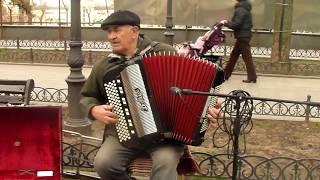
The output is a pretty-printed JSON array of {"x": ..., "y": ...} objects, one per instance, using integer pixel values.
[{"x": 204, "y": 43}]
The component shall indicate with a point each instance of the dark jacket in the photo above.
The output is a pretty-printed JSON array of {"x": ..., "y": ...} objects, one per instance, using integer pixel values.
[
  {"x": 92, "y": 93},
  {"x": 241, "y": 21}
]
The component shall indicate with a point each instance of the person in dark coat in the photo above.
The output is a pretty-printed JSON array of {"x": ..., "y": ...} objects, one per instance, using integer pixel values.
[{"x": 241, "y": 24}]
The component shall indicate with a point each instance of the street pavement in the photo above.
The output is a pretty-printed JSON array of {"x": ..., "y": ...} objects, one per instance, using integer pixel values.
[{"x": 267, "y": 86}]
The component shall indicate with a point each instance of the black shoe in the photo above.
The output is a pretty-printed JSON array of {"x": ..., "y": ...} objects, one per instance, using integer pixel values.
[{"x": 249, "y": 81}]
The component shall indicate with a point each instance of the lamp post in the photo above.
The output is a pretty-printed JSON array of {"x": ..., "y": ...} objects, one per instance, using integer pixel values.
[
  {"x": 76, "y": 79},
  {"x": 1, "y": 33},
  {"x": 169, "y": 34}
]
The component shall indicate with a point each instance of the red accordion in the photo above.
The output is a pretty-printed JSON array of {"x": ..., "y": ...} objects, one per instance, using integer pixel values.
[{"x": 146, "y": 107}]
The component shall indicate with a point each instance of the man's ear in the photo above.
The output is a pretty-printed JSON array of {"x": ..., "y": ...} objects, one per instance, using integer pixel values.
[{"x": 135, "y": 29}]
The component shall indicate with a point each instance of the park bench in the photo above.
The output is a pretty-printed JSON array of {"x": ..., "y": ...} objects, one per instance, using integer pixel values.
[{"x": 16, "y": 92}]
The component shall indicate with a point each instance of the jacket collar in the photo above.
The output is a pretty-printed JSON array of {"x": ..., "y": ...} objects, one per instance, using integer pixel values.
[{"x": 143, "y": 42}]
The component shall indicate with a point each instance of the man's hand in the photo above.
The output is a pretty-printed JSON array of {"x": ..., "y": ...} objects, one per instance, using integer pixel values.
[
  {"x": 213, "y": 114},
  {"x": 223, "y": 22},
  {"x": 104, "y": 114}
]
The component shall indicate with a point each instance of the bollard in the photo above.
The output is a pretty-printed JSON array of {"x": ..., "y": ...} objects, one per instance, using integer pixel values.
[
  {"x": 308, "y": 109},
  {"x": 65, "y": 45},
  {"x": 31, "y": 55},
  {"x": 90, "y": 61},
  {"x": 224, "y": 50},
  {"x": 18, "y": 43}
]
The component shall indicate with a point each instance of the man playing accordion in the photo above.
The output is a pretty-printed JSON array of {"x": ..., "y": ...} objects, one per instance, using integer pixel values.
[{"x": 122, "y": 30}]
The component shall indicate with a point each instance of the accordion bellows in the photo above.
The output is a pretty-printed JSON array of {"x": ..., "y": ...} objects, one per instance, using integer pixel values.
[{"x": 147, "y": 108}]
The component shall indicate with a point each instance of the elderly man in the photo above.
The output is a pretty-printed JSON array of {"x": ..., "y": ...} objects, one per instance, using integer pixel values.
[{"x": 122, "y": 30}]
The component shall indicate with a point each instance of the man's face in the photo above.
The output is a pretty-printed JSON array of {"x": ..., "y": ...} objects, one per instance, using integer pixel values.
[{"x": 123, "y": 39}]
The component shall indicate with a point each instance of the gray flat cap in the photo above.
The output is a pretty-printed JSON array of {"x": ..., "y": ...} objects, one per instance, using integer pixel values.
[{"x": 121, "y": 17}]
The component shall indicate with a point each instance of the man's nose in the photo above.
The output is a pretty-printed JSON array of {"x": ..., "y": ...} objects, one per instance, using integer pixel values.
[{"x": 112, "y": 35}]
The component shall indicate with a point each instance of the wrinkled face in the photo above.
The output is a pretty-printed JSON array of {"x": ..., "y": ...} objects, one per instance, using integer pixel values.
[{"x": 123, "y": 39}]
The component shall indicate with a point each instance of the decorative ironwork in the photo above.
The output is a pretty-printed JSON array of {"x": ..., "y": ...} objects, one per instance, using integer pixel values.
[
  {"x": 235, "y": 121},
  {"x": 81, "y": 155},
  {"x": 101, "y": 45},
  {"x": 294, "y": 67},
  {"x": 49, "y": 95},
  {"x": 49, "y": 57},
  {"x": 236, "y": 107},
  {"x": 286, "y": 108},
  {"x": 41, "y": 44},
  {"x": 258, "y": 167},
  {"x": 312, "y": 54},
  {"x": 261, "y": 107},
  {"x": 302, "y": 62},
  {"x": 237, "y": 113}
]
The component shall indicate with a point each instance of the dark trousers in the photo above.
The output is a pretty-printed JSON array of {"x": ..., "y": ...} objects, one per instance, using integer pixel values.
[{"x": 242, "y": 47}]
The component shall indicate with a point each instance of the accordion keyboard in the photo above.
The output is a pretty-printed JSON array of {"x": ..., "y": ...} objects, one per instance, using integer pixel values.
[{"x": 116, "y": 97}]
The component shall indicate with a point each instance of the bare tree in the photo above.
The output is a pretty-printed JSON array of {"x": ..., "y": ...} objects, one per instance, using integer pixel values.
[
  {"x": 88, "y": 8},
  {"x": 10, "y": 6},
  {"x": 43, "y": 8},
  {"x": 1, "y": 8},
  {"x": 66, "y": 7},
  {"x": 107, "y": 7},
  {"x": 24, "y": 7}
]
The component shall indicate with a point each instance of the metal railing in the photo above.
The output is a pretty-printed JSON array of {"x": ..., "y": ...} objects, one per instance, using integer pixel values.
[
  {"x": 261, "y": 106},
  {"x": 313, "y": 54},
  {"x": 235, "y": 121},
  {"x": 81, "y": 154}
]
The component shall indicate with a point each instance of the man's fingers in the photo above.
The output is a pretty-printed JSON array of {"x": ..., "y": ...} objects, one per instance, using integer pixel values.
[
  {"x": 213, "y": 123},
  {"x": 213, "y": 113},
  {"x": 110, "y": 120},
  {"x": 218, "y": 105},
  {"x": 112, "y": 114},
  {"x": 110, "y": 117},
  {"x": 107, "y": 107}
]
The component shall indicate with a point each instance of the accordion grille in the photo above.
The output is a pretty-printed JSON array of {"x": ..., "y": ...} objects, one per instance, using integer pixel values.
[{"x": 138, "y": 100}]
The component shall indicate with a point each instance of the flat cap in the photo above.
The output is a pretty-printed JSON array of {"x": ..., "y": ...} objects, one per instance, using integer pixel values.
[{"x": 121, "y": 17}]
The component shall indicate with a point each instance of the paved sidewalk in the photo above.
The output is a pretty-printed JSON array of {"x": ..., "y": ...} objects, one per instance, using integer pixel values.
[{"x": 284, "y": 87}]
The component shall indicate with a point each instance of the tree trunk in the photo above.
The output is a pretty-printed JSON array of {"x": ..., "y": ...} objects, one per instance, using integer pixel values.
[
  {"x": 21, "y": 15},
  {"x": 30, "y": 18},
  {"x": 282, "y": 30},
  {"x": 275, "y": 54},
  {"x": 287, "y": 30},
  {"x": 1, "y": 20}
]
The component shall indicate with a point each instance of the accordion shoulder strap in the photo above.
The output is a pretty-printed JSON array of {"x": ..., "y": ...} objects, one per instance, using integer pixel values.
[{"x": 149, "y": 47}]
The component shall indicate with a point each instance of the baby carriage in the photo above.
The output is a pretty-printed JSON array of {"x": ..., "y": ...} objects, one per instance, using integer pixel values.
[{"x": 204, "y": 43}]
